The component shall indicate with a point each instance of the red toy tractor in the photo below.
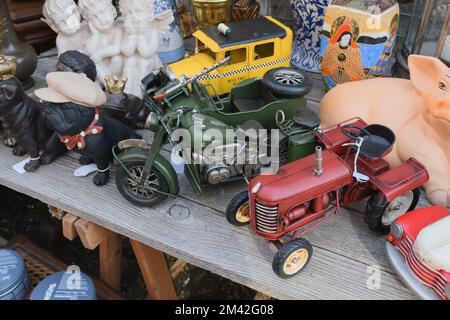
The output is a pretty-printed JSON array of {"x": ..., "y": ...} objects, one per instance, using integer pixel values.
[{"x": 347, "y": 167}]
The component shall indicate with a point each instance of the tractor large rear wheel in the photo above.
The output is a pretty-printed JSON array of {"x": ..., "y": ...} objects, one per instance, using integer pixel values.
[{"x": 380, "y": 213}]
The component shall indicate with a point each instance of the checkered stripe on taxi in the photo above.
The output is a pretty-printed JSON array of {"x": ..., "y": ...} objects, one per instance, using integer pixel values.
[{"x": 231, "y": 73}]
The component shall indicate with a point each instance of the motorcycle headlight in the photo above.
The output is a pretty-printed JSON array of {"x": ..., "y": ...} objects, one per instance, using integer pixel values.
[
  {"x": 152, "y": 122},
  {"x": 396, "y": 230},
  {"x": 447, "y": 289}
]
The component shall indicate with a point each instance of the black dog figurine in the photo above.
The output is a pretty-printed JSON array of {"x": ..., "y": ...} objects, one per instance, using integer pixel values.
[
  {"x": 21, "y": 117},
  {"x": 127, "y": 109},
  {"x": 94, "y": 134},
  {"x": 123, "y": 107}
]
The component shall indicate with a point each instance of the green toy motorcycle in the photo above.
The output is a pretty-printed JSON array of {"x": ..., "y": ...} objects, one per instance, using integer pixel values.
[{"x": 214, "y": 132}]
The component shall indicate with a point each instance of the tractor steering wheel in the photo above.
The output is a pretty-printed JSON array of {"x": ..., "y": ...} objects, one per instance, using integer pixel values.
[{"x": 353, "y": 134}]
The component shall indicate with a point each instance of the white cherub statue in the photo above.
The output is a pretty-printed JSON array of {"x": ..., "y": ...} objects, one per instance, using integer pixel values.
[
  {"x": 103, "y": 45},
  {"x": 63, "y": 16},
  {"x": 141, "y": 40}
]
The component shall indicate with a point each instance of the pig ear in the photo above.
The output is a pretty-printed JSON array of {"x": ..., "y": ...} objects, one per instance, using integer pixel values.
[{"x": 425, "y": 72}]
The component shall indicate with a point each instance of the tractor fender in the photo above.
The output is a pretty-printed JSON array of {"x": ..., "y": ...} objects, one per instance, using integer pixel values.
[
  {"x": 161, "y": 163},
  {"x": 397, "y": 181}
]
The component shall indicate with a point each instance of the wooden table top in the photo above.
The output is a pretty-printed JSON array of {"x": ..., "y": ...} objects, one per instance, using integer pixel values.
[{"x": 194, "y": 229}]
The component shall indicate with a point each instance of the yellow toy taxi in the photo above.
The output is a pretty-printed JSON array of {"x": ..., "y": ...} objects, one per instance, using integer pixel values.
[{"x": 255, "y": 46}]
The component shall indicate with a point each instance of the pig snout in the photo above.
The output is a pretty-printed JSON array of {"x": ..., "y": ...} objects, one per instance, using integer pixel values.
[{"x": 440, "y": 108}]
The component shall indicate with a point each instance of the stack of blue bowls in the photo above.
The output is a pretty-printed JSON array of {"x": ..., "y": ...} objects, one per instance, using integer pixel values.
[
  {"x": 63, "y": 286},
  {"x": 14, "y": 281}
]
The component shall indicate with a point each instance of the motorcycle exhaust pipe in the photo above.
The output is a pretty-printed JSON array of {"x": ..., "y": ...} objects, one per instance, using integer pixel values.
[{"x": 318, "y": 170}]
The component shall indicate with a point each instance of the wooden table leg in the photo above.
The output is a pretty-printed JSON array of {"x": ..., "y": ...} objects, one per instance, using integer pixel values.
[
  {"x": 154, "y": 270},
  {"x": 111, "y": 260}
]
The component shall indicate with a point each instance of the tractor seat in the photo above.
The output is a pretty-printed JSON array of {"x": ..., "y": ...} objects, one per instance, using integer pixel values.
[
  {"x": 254, "y": 103},
  {"x": 307, "y": 118},
  {"x": 379, "y": 143}
]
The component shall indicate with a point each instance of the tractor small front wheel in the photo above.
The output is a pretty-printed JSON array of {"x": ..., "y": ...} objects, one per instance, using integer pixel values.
[
  {"x": 238, "y": 210},
  {"x": 292, "y": 258}
]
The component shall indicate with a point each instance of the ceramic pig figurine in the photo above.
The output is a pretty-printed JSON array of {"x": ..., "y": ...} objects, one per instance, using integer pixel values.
[{"x": 417, "y": 110}]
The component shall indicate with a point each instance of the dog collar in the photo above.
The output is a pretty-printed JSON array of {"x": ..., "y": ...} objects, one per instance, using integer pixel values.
[{"x": 78, "y": 140}]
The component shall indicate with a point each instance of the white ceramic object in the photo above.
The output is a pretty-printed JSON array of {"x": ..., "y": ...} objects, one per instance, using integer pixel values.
[
  {"x": 171, "y": 47},
  {"x": 64, "y": 17},
  {"x": 103, "y": 45},
  {"x": 308, "y": 16},
  {"x": 140, "y": 43}
]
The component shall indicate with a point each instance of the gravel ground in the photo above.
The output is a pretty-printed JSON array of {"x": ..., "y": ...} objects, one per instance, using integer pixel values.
[{"x": 27, "y": 216}]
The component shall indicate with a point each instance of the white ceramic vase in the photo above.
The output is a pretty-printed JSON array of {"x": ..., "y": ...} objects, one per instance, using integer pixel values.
[
  {"x": 308, "y": 16},
  {"x": 171, "y": 47}
]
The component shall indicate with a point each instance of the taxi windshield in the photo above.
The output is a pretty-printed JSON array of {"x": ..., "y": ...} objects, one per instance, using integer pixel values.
[{"x": 202, "y": 48}]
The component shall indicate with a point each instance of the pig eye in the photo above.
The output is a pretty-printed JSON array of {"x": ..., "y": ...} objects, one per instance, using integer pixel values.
[{"x": 442, "y": 86}]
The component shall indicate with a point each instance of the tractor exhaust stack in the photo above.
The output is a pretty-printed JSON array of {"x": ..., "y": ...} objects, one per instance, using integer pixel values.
[{"x": 318, "y": 170}]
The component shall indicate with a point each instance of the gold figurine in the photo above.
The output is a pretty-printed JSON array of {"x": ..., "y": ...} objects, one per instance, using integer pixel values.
[
  {"x": 8, "y": 67},
  {"x": 115, "y": 84}
]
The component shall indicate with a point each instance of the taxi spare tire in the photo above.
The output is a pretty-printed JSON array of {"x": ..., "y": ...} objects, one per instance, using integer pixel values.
[{"x": 287, "y": 82}]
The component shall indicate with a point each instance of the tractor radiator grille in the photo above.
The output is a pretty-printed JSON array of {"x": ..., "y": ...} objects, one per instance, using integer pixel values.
[
  {"x": 266, "y": 218},
  {"x": 428, "y": 276}
]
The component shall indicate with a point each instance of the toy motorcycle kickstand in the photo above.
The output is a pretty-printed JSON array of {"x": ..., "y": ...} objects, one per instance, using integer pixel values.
[{"x": 347, "y": 167}]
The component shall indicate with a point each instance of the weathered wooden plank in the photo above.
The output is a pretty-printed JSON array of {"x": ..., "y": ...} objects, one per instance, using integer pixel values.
[{"x": 203, "y": 238}]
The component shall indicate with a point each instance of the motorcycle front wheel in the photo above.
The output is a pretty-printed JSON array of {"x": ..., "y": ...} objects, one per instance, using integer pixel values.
[{"x": 146, "y": 194}]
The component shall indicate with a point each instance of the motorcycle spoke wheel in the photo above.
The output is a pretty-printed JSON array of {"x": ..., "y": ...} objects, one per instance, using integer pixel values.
[{"x": 146, "y": 190}]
